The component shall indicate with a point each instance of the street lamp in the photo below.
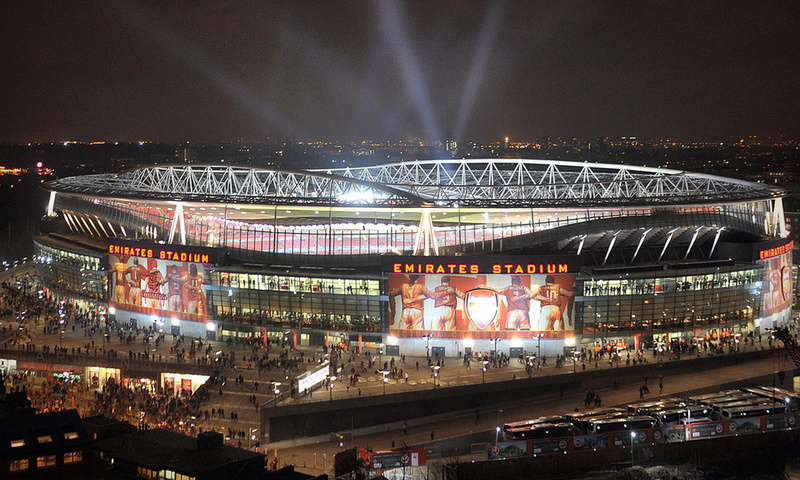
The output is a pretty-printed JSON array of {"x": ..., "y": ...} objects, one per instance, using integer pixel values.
[
  {"x": 497, "y": 428},
  {"x": 435, "y": 375},
  {"x": 380, "y": 355},
  {"x": 633, "y": 437},
  {"x": 276, "y": 390},
  {"x": 385, "y": 372},
  {"x": 574, "y": 361},
  {"x": 539, "y": 346},
  {"x": 251, "y": 436},
  {"x": 330, "y": 386},
  {"x": 483, "y": 371}
]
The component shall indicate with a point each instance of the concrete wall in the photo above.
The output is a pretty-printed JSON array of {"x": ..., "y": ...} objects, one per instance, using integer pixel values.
[{"x": 310, "y": 419}]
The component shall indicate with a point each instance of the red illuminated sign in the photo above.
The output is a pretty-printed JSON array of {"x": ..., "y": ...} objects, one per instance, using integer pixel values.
[
  {"x": 473, "y": 268},
  {"x": 776, "y": 251},
  {"x": 160, "y": 253}
]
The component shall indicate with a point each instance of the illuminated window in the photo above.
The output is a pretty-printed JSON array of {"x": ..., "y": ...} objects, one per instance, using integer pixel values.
[
  {"x": 18, "y": 465},
  {"x": 44, "y": 439},
  {"x": 70, "y": 435},
  {"x": 17, "y": 443},
  {"x": 46, "y": 461},
  {"x": 142, "y": 472},
  {"x": 73, "y": 457}
]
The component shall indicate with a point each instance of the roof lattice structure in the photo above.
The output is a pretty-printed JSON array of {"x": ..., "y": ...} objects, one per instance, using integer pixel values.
[
  {"x": 478, "y": 183},
  {"x": 501, "y": 182}
]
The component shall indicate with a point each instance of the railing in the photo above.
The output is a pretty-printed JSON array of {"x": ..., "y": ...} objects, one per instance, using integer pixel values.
[{"x": 121, "y": 361}]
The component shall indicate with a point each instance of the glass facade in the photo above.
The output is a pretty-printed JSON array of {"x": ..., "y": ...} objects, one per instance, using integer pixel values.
[
  {"x": 670, "y": 303},
  {"x": 71, "y": 273},
  {"x": 309, "y": 302}
]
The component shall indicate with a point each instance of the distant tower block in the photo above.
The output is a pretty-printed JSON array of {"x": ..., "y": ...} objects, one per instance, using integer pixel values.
[{"x": 425, "y": 243}]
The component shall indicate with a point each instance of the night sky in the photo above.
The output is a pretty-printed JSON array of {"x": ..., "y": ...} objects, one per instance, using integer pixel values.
[{"x": 353, "y": 70}]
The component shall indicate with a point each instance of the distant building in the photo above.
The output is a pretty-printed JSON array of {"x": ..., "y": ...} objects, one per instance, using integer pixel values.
[
  {"x": 186, "y": 155},
  {"x": 156, "y": 454},
  {"x": 47, "y": 445}
]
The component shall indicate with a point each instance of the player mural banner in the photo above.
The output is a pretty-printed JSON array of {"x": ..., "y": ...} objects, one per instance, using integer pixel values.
[
  {"x": 163, "y": 280},
  {"x": 777, "y": 283},
  {"x": 470, "y": 303}
]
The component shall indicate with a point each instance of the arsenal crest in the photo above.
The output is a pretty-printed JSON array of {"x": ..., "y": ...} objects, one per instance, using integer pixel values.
[{"x": 482, "y": 307}]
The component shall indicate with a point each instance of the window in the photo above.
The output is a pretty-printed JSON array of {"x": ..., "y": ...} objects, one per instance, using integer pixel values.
[
  {"x": 18, "y": 465},
  {"x": 73, "y": 457},
  {"x": 17, "y": 443},
  {"x": 170, "y": 475},
  {"x": 70, "y": 435},
  {"x": 44, "y": 439},
  {"x": 143, "y": 472},
  {"x": 46, "y": 461}
]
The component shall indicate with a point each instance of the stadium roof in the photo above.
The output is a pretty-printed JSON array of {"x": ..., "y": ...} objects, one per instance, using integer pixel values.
[{"x": 467, "y": 183}]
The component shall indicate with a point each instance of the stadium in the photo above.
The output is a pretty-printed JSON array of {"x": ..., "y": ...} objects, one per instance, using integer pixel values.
[{"x": 441, "y": 257}]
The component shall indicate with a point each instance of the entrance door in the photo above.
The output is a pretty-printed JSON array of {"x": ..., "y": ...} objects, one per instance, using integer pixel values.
[
  {"x": 515, "y": 352},
  {"x": 437, "y": 352}
]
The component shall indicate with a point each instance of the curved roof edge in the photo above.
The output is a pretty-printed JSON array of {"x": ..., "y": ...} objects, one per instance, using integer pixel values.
[{"x": 474, "y": 182}]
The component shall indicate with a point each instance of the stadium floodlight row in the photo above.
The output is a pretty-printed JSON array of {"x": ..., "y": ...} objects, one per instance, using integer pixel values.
[{"x": 438, "y": 257}]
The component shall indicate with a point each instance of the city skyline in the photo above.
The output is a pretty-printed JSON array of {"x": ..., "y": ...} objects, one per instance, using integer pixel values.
[{"x": 473, "y": 71}]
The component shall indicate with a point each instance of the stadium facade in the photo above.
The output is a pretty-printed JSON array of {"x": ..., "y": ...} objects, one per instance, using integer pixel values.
[{"x": 439, "y": 257}]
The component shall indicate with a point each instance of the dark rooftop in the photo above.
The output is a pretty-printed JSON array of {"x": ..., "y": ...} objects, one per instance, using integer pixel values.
[{"x": 165, "y": 450}]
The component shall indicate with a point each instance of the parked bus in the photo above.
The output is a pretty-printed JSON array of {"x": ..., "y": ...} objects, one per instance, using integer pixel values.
[
  {"x": 553, "y": 419},
  {"x": 541, "y": 430},
  {"x": 680, "y": 416},
  {"x": 581, "y": 420},
  {"x": 790, "y": 399},
  {"x": 605, "y": 425},
  {"x": 644, "y": 408},
  {"x": 754, "y": 410},
  {"x": 697, "y": 399},
  {"x": 734, "y": 397}
]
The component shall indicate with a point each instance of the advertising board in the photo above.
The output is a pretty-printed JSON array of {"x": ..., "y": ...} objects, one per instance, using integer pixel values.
[
  {"x": 707, "y": 429},
  {"x": 480, "y": 298},
  {"x": 517, "y": 448},
  {"x": 405, "y": 458},
  {"x": 777, "y": 283},
  {"x": 163, "y": 280}
]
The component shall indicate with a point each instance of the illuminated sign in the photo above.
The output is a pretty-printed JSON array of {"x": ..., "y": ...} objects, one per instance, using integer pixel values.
[
  {"x": 490, "y": 264},
  {"x": 481, "y": 305},
  {"x": 776, "y": 288},
  {"x": 173, "y": 253},
  {"x": 313, "y": 378},
  {"x": 406, "y": 458},
  {"x": 775, "y": 251},
  {"x": 160, "y": 280}
]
